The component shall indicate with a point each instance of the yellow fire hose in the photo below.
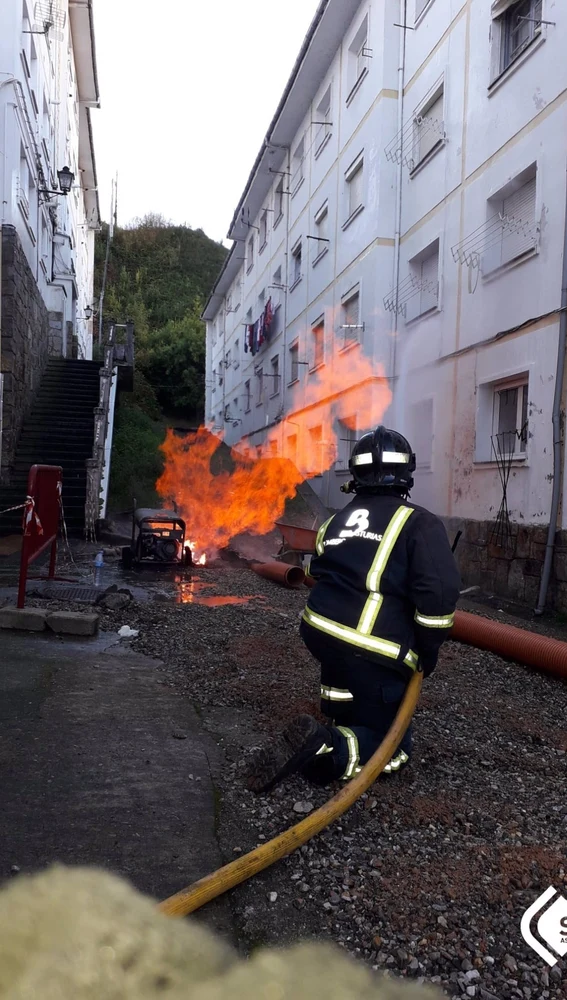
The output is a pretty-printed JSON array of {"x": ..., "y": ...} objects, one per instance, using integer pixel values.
[{"x": 227, "y": 877}]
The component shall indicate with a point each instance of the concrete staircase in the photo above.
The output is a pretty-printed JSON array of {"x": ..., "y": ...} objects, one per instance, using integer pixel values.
[{"x": 58, "y": 431}]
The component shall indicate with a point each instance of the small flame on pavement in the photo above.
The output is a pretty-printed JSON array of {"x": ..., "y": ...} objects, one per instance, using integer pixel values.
[{"x": 197, "y": 560}]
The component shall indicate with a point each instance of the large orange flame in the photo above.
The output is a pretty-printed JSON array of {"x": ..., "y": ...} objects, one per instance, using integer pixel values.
[{"x": 249, "y": 493}]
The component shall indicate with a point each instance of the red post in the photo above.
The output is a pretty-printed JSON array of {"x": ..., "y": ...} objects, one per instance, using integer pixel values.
[{"x": 41, "y": 520}]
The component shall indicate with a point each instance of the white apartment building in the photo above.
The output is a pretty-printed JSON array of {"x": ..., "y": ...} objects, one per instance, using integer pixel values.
[
  {"x": 48, "y": 84},
  {"x": 409, "y": 203}
]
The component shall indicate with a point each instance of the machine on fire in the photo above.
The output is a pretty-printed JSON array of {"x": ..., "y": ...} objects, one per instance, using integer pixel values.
[{"x": 158, "y": 539}]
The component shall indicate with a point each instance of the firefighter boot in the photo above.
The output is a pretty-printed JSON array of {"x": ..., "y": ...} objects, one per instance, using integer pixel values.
[{"x": 302, "y": 740}]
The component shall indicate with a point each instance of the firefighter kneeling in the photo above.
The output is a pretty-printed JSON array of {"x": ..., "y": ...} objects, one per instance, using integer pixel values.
[{"x": 383, "y": 602}]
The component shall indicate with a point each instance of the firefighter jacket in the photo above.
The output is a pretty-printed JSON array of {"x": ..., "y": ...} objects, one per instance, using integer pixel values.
[{"x": 386, "y": 582}]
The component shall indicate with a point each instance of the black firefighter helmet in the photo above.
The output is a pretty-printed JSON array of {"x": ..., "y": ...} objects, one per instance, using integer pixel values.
[{"x": 382, "y": 459}]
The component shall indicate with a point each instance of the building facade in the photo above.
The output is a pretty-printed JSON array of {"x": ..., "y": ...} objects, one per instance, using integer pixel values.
[
  {"x": 409, "y": 203},
  {"x": 48, "y": 84}
]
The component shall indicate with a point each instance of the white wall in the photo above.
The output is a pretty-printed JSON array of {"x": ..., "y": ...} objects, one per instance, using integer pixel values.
[
  {"x": 39, "y": 115},
  {"x": 487, "y": 326}
]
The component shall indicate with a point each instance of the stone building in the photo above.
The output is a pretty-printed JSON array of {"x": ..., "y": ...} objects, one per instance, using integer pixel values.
[{"x": 48, "y": 84}]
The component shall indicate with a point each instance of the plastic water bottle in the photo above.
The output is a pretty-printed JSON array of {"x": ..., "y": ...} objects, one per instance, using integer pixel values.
[{"x": 98, "y": 568}]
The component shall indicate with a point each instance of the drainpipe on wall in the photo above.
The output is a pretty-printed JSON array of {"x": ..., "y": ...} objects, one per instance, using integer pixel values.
[
  {"x": 557, "y": 435},
  {"x": 285, "y": 281},
  {"x": 399, "y": 179},
  {"x": 5, "y": 83}
]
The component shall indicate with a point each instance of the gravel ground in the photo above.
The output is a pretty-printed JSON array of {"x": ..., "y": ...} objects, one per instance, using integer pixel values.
[{"x": 429, "y": 873}]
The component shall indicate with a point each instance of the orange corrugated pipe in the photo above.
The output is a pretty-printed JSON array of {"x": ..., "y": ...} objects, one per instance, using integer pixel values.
[
  {"x": 289, "y": 576},
  {"x": 548, "y": 655}
]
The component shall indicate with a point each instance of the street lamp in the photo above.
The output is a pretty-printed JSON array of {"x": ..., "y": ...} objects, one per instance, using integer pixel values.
[
  {"x": 65, "y": 178},
  {"x": 88, "y": 312}
]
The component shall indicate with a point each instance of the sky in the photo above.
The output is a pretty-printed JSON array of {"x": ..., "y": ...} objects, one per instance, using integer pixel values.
[{"x": 188, "y": 89}]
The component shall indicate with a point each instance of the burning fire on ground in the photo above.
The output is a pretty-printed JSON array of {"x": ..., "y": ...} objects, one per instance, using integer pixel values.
[{"x": 222, "y": 498}]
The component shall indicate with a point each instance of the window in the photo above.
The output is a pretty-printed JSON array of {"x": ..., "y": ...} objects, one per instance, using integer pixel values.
[
  {"x": 510, "y": 418},
  {"x": 358, "y": 57},
  {"x": 279, "y": 202},
  {"x": 234, "y": 409},
  {"x": 263, "y": 238},
  {"x": 259, "y": 387},
  {"x": 250, "y": 255},
  {"x": 24, "y": 184},
  {"x": 347, "y": 438},
  {"x": 275, "y": 376},
  {"x": 291, "y": 448},
  {"x": 237, "y": 354},
  {"x": 512, "y": 231},
  {"x": 295, "y": 265},
  {"x": 421, "y": 415},
  {"x": 321, "y": 243},
  {"x": 354, "y": 178},
  {"x": 420, "y": 6},
  {"x": 247, "y": 396},
  {"x": 323, "y": 122},
  {"x": 518, "y": 25},
  {"x": 294, "y": 363},
  {"x": 228, "y": 360},
  {"x": 277, "y": 303},
  {"x": 424, "y": 277},
  {"x": 297, "y": 166},
  {"x": 316, "y": 450},
  {"x": 350, "y": 317},
  {"x": 428, "y": 128},
  {"x": 317, "y": 343}
]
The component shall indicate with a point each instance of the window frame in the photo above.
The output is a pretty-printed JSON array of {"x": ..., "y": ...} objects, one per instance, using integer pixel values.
[
  {"x": 355, "y": 168},
  {"x": 522, "y": 405},
  {"x": 419, "y": 114},
  {"x": 278, "y": 202},
  {"x": 250, "y": 254},
  {"x": 351, "y": 341},
  {"x": 355, "y": 52},
  {"x": 500, "y": 66},
  {"x": 296, "y": 254},
  {"x": 275, "y": 375},
  {"x": 324, "y": 111},
  {"x": 507, "y": 57},
  {"x": 345, "y": 444},
  {"x": 321, "y": 214},
  {"x": 263, "y": 231},
  {"x": 495, "y": 205},
  {"x": 260, "y": 384},
  {"x": 316, "y": 361},
  {"x": 432, "y": 249},
  {"x": 298, "y": 172},
  {"x": 293, "y": 349}
]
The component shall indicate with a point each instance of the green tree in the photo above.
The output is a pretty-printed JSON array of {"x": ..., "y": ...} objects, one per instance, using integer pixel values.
[{"x": 173, "y": 361}]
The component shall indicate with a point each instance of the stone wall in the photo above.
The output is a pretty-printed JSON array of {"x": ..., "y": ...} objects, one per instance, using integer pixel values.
[
  {"x": 25, "y": 341},
  {"x": 512, "y": 569}
]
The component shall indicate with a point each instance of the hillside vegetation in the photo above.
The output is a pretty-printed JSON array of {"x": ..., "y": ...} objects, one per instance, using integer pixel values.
[{"x": 159, "y": 276}]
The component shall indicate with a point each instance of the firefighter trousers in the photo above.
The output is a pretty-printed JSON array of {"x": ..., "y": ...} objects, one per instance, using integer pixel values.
[{"x": 361, "y": 697}]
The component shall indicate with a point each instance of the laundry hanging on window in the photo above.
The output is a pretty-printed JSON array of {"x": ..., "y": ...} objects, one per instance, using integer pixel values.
[{"x": 259, "y": 332}]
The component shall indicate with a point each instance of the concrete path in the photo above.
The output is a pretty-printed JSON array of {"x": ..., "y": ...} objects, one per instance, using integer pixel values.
[{"x": 101, "y": 764}]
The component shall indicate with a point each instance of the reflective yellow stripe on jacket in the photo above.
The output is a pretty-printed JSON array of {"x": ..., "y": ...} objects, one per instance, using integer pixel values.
[
  {"x": 351, "y": 635},
  {"x": 383, "y": 553},
  {"x": 439, "y": 621},
  {"x": 361, "y": 636},
  {"x": 319, "y": 547}
]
